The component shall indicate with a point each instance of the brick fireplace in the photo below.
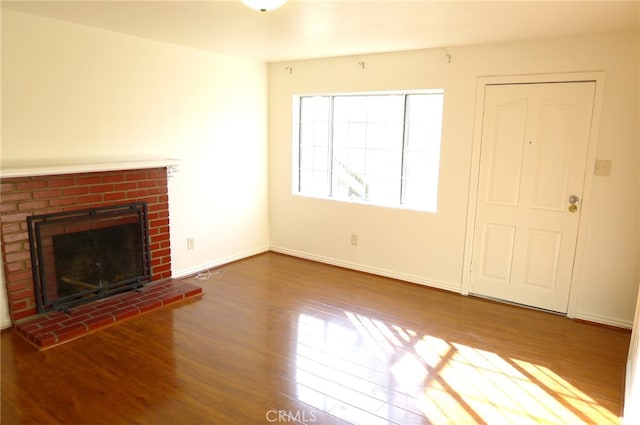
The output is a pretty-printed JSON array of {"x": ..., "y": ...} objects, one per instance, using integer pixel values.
[{"x": 22, "y": 197}]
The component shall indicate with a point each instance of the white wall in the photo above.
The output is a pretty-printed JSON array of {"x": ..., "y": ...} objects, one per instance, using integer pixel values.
[
  {"x": 78, "y": 94},
  {"x": 429, "y": 248}
]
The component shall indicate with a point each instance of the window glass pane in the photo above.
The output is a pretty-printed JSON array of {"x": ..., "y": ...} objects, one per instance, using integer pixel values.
[
  {"x": 314, "y": 108},
  {"x": 340, "y": 135},
  {"x": 385, "y": 136},
  {"x": 350, "y": 109},
  {"x": 371, "y": 148},
  {"x": 314, "y": 145},
  {"x": 357, "y": 135},
  {"x": 314, "y": 182},
  {"x": 383, "y": 190},
  {"x": 369, "y": 128},
  {"x": 422, "y": 151},
  {"x": 385, "y": 108},
  {"x": 314, "y": 134},
  {"x": 348, "y": 184},
  {"x": 355, "y": 161}
]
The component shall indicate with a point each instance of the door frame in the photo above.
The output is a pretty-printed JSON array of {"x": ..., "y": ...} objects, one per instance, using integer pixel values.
[{"x": 571, "y": 77}]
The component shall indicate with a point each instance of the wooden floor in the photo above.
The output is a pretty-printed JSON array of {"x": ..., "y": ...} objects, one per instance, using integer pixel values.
[{"x": 277, "y": 339}]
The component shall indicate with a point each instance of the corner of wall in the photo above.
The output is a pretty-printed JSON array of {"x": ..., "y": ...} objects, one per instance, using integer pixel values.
[{"x": 5, "y": 320}]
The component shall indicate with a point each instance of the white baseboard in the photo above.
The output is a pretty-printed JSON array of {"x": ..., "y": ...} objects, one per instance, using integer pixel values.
[
  {"x": 368, "y": 269},
  {"x": 603, "y": 320},
  {"x": 177, "y": 274}
]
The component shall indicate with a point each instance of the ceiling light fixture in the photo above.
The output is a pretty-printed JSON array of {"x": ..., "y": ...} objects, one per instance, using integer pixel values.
[{"x": 264, "y": 5}]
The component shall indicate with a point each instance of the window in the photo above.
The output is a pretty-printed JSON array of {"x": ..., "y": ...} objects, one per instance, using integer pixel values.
[{"x": 382, "y": 149}]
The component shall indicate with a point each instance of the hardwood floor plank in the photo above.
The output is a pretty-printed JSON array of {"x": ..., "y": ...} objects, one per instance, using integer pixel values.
[{"x": 276, "y": 337}]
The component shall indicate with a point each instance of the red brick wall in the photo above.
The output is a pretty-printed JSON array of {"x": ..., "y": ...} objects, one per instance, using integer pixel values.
[{"x": 24, "y": 196}]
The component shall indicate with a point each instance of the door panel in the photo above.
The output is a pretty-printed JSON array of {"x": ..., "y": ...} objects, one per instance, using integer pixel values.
[
  {"x": 533, "y": 158},
  {"x": 498, "y": 248},
  {"x": 543, "y": 256},
  {"x": 505, "y": 156},
  {"x": 552, "y": 155}
]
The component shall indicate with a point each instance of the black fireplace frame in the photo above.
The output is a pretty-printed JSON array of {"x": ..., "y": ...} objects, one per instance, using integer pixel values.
[{"x": 35, "y": 223}]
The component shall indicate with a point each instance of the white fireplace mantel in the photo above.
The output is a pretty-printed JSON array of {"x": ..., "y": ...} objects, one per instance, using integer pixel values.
[{"x": 30, "y": 170}]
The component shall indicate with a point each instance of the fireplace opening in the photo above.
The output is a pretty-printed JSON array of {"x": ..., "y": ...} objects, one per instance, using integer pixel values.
[{"x": 81, "y": 256}]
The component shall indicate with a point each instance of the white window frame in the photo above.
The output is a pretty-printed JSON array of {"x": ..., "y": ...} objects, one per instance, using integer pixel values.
[{"x": 295, "y": 131}]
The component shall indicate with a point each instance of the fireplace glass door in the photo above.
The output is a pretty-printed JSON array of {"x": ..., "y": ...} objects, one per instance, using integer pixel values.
[{"x": 80, "y": 256}]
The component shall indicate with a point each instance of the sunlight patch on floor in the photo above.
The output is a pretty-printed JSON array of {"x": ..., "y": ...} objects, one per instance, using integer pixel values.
[{"x": 364, "y": 370}]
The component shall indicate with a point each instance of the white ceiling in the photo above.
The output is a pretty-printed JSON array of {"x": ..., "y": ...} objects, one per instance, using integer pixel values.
[{"x": 304, "y": 29}]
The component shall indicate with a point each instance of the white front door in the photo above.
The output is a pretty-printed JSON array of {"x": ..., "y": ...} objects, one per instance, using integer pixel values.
[{"x": 532, "y": 170}]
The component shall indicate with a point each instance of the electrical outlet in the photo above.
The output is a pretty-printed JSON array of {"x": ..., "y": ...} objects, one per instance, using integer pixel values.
[
  {"x": 354, "y": 239},
  {"x": 191, "y": 243}
]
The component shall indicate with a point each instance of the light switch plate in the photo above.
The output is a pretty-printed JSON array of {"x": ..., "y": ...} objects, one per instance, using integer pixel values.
[{"x": 603, "y": 167}]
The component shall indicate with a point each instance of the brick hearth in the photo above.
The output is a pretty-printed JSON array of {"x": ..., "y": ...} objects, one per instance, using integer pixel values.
[
  {"x": 25, "y": 196},
  {"x": 51, "y": 329}
]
